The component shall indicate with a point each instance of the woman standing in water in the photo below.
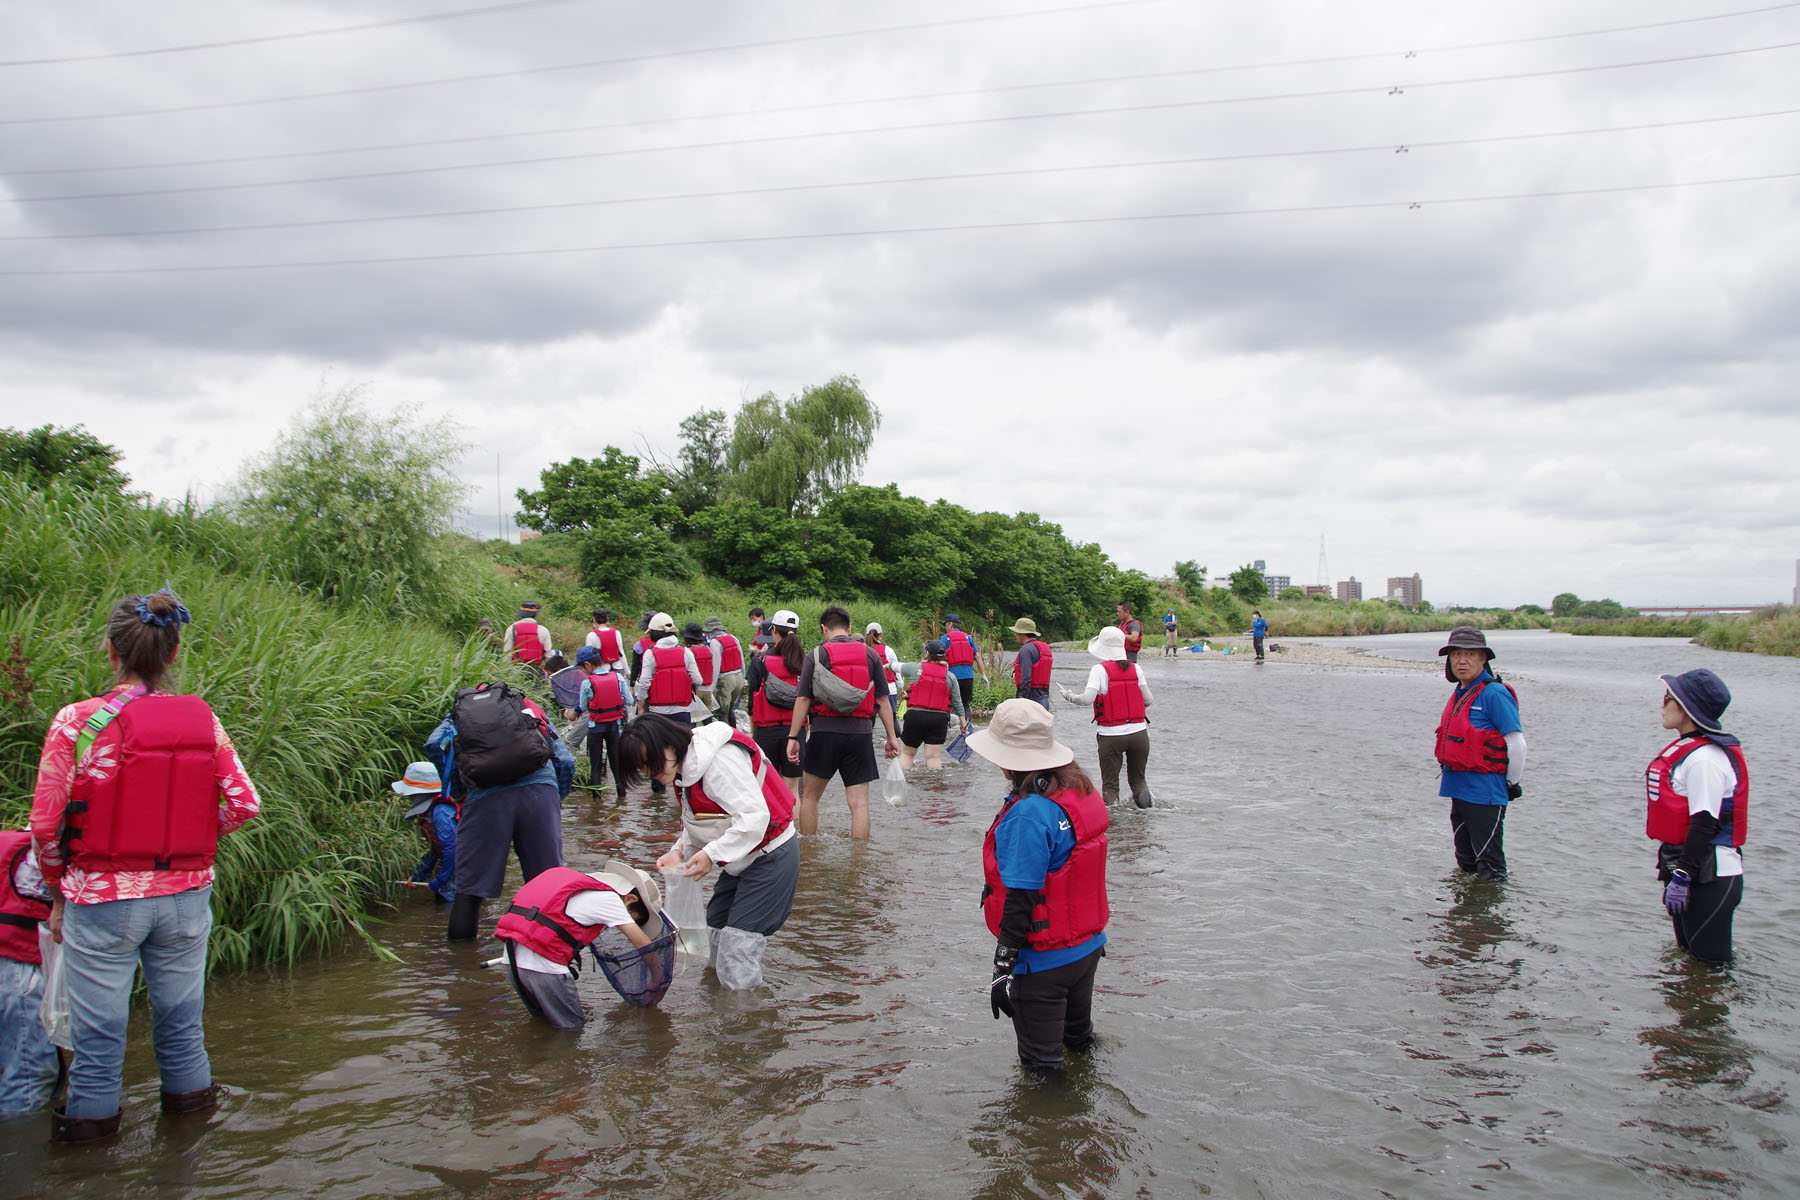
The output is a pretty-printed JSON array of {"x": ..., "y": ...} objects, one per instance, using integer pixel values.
[
  {"x": 1698, "y": 790},
  {"x": 133, "y": 791},
  {"x": 1044, "y": 863}
]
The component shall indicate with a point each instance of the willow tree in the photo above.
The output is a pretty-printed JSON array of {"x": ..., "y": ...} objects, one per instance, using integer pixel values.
[{"x": 787, "y": 454}]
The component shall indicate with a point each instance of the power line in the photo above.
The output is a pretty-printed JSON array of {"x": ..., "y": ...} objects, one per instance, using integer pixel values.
[
  {"x": 424, "y": 19},
  {"x": 899, "y": 231},
  {"x": 905, "y": 98},
  {"x": 911, "y": 127},
  {"x": 896, "y": 181},
  {"x": 586, "y": 65}
]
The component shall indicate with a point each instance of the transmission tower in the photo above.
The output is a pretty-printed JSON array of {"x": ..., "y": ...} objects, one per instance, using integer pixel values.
[{"x": 1324, "y": 572}]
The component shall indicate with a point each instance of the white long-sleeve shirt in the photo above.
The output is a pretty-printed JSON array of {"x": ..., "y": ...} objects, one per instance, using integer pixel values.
[
  {"x": 647, "y": 672},
  {"x": 1706, "y": 777},
  {"x": 725, "y": 774},
  {"x": 1096, "y": 686}
]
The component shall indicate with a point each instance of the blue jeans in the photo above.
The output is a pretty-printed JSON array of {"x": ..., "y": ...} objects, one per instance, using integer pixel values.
[
  {"x": 102, "y": 946},
  {"x": 27, "y": 1059}
]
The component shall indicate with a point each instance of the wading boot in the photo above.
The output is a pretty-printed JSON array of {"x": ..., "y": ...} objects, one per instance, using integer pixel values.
[
  {"x": 201, "y": 1100},
  {"x": 465, "y": 918},
  {"x": 81, "y": 1131}
]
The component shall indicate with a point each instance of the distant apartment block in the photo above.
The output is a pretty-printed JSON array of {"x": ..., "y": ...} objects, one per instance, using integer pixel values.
[
  {"x": 1318, "y": 589},
  {"x": 1349, "y": 589},
  {"x": 1405, "y": 589},
  {"x": 1277, "y": 584}
]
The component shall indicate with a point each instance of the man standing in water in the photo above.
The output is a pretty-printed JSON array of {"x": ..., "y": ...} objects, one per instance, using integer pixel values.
[
  {"x": 963, "y": 657},
  {"x": 1481, "y": 748},
  {"x": 1171, "y": 632},
  {"x": 838, "y": 743},
  {"x": 1133, "y": 630}
]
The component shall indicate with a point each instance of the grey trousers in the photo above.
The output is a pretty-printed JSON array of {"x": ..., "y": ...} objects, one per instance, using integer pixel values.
[{"x": 1131, "y": 749}]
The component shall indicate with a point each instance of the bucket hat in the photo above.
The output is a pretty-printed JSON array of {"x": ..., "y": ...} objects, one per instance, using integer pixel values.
[
  {"x": 713, "y": 625},
  {"x": 691, "y": 632},
  {"x": 530, "y": 608},
  {"x": 660, "y": 622},
  {"x": 622, "y": 877},
  {"x": 1021, "y": 737},
  {"x": 1702, "y": 695},
  {"x": 1025, "y": 625},
  {"x": 1108, "y": 645},
  {"x": 1463, "y": 637},
  {"x": 421, "y": 780}
]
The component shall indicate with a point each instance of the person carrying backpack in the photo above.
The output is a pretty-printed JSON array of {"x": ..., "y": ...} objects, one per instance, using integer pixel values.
[{"x": 498, "y": 754}]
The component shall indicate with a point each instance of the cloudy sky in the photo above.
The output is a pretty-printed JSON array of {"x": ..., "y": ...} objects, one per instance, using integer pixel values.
[{"x": 1507, "y": 294}]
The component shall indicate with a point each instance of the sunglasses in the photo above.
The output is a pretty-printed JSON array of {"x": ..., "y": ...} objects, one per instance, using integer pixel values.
[{"x": 1669, "y": 698}]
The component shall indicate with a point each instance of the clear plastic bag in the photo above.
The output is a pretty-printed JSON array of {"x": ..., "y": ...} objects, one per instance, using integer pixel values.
[
  {"x": 685, "y": 905},
  {"x": 54, "y": 1009},
  {"x": 893, "y": 782}
]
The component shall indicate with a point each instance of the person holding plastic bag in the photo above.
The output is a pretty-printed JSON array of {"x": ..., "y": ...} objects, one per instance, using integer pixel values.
[
  {"x": 562, "y": 912},
  {"x": 1044, "y": 863},
  {"x": 139, "y": 784},
  {"x": 28, "y": 1062},
  {"x": 736, "y": 814}
]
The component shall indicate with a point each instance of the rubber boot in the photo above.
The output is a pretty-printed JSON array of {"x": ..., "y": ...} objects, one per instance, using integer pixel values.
[
  {"x": 201, "y": 1100},
  {"x": 81, "y": 1131},
  {"x": 1143, "y": 799},
  {"x": 465, "y": 918}
]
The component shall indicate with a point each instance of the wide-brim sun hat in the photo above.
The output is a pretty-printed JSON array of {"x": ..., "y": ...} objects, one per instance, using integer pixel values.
[
  {"x": 420, "y": 778},
  {"x": 1108, "y": 645},
  {"x": 1702, "y": 695},
  {"x": 660, "y": 622},
  {"x": 1025, "y": 625},
  {"x": 622, "y": 877},
  {"x": 1466, "y": 637},
  {"x": 786, "y": 618},
  {"x": 1021, "y": 737}
]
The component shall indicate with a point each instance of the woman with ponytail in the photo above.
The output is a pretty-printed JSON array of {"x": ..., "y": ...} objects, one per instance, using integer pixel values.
[{"x": 134, "y": 789}]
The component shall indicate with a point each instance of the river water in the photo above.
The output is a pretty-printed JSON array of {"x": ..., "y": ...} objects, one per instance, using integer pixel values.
[{"x": 1299, "y": 998}]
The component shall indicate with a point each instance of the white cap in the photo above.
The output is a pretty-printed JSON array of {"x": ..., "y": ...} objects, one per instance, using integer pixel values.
[
  {"x": 873, "y": 627},
  {"x": 661, "y": 623},
  {"x": 787, "y": 618}
]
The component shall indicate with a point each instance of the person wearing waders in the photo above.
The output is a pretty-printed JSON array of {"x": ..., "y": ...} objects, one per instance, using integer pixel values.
[
  {"x": 1171, "y": 635},
  {"x": 728, "y": 688},
  {"x": 737, "y": 815},
  {"x": 526, "y": 641},
  {"x": 1044, "y": 866},
  {"x": 560, "y": 913},
  {"x": 1481, "y": 748},
  {"x": 1259, "y": 629},
  {"x": 842, "y": 690},
  {"x": 1031, "y": 666},
  {"x": 964, "y": 659},
  {"x": 500, "y": 756},
  {"x": 1698, "y": 789},
  {"x": 604, "y": 698},
  {"x": 1120, "y": 695},
  {"x": 1133, "y": 629}
]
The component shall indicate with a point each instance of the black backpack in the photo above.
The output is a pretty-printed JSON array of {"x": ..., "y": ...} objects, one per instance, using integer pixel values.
[{"x": 497, "y": 739}]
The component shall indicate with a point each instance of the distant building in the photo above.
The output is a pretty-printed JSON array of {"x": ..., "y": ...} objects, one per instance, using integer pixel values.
[
  {"x": 1277, "y": 584},
  {"x": 1349, "y": 589},
  {"x": 1404, "y": 589},
  {"x": 1318, "y": 589}
]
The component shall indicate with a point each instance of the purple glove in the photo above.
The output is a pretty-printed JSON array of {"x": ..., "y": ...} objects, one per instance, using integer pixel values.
[{"x": 1675, "y": 894}]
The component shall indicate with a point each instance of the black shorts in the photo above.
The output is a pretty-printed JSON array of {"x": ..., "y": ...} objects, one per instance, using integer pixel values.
[
  {"x": 850, "y": 756},
  {"x": 924, "y": 727},
  {"x": 772, "y": 741}
]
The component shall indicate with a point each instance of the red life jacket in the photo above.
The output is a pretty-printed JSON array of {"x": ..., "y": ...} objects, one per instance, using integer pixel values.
[
  {"x": 775, "y": 791},
  {"x": 764, "y": 714},
  {"x": 731, "y": 653},
  {"x": 538, "y": 917},
  {"x": 850, "y": 662},
  {"x": 1461, "y": 746},
  {"x": 959, "y": 649},
  {"x": 1133, "y": 641},
  {"x": 887, "y": 664},
  {"x": 19, "y": 913},
  {"x": 1123, "y": 703},
  {"x": 159, "y": 809},
  {"x": 606, "y": 698},
  {"x": 932, "y": 691},
  {"x": 670, "y": 684},
  {"x": 612, "y": 646},
  {"x": 1073, "y": 908},
  {"x": 1040, "y": 670},
  {"x": 1668, "y": 816},
  {"x": 528, "y": 647},
  {"x": 703, "y": 658}
]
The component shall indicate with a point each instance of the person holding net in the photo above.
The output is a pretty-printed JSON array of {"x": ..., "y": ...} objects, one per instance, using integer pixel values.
[{"x": 562, "y": 912}]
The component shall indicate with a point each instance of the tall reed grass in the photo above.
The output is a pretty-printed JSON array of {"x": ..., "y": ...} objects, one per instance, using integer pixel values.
[
  {"x": 326, "y": 703},
  {"x": 1767, "y": 631}
]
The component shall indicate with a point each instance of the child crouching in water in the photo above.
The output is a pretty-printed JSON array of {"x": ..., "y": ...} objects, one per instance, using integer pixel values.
[{"x": 562, "y": 911}]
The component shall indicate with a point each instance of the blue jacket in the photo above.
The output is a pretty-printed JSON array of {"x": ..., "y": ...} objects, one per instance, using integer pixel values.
[{"x": 440, "y": 749}]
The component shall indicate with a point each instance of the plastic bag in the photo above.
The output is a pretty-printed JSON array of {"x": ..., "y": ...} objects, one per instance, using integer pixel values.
[
  {"x": 686, "y": 908},
  {"x": 893, "y": 782},
  {"x": 54, "y": 1008},
  {"x": 958, "y": 748}
]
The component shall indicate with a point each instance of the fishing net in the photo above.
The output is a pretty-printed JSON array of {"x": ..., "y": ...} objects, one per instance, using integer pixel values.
[{"x": 640, "y": 974}]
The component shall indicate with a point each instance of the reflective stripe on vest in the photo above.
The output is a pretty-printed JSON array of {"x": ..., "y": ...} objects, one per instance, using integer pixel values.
[
  {"x": 1073, "y": 906},
  {"x": 1461, "y": 746},
  {"x": 1123, "y": 702},
  {"x": 1668, "y": 817},
  {"x": 671, "y": 684}
]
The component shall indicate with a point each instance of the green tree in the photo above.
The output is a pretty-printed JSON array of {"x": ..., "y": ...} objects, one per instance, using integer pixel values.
[
  {"x": 1530, "y": 610},
  {"x": 1292, "y": 593},
  {"x": 787, "y": 455},
  {"x": 913, "y": 557},
  {"x": 698, "y": 476},
  {"x": 584, "y": 492},
  {"x": 1607, "y": 609},
  {"x": 1565, "y": 604},
  {"x": 1248, "y": 584},
  {"x": 357, "y": 505},
  {"x": 73, "y": 455},
  {"x": 1192, "y": 578},
  {"x": 758, "y": 548}
]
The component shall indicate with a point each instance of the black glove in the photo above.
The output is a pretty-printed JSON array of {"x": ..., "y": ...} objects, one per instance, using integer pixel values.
[
  {"x": 1514, "y": 791},
  {"x": 1000, "y": 987}
]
